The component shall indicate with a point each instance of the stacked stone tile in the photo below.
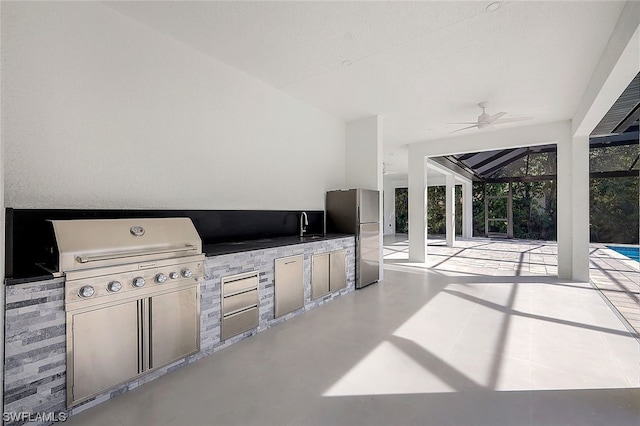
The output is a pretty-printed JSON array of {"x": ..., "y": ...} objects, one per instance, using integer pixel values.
[{"x": 35, "y": 352}]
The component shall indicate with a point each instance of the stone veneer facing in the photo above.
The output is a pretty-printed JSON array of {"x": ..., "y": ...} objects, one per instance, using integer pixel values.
[
  {"x": 35, "y": 348},
  {"x": 35, "y": 334}
]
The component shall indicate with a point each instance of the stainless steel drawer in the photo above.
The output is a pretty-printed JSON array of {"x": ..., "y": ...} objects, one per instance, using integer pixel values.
[
  {"x": 239, "y": 322},
  {"x": 236, "y": 285},
  {"x": 239, "y": 301}
]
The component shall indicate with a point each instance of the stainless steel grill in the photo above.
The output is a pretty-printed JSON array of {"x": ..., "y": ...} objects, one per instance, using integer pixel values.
[{"x": 132, "y": 298}]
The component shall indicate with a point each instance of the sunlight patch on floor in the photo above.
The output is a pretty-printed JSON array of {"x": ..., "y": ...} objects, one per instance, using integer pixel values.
[{"x": 387, "y": 370}]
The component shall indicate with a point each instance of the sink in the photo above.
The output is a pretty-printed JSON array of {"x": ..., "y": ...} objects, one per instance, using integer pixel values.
[{"x": 311, "y": 237}]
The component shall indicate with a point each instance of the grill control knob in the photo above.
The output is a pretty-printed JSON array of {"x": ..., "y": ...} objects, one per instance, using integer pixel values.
[
  {"x": 187, "y": 273},
  {"x": 174, "y": 275},
  {"x": 161, "y": 278},
  {"x": 87, "y": 291},
  {"x": 114, "y": 286},
  {"x": 138, "y": 282}
]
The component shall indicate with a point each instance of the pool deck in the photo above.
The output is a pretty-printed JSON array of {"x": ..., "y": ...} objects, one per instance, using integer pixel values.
[{"x": 616, "y": 276}]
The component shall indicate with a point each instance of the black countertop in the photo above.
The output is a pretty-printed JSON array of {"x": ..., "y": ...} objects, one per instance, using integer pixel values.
[
  {"x": 38, "y": 274},
  {"x": 265, "y": 243}
]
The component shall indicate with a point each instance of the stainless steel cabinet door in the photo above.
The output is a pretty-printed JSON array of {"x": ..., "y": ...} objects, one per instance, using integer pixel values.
[
  {"x": 368, "y": 251},
  {"x": 174, "y": 325},
  {"x": 338, "y": 270},
  {"x": 105, "y": 348},
  {"x": 319, "y": 275},
  {"x": 289, "y": 284}
]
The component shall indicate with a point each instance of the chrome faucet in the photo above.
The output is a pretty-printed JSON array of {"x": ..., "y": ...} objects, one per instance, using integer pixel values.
[{"x": 304, "y": 221}]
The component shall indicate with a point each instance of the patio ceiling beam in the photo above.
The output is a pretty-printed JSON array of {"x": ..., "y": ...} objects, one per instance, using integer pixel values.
[
  {"x": 493, "y": 170},
  {"x": 464, "y": 157},
  {"x": 542, "y": 178},
  {"x": 629, "y": 138},
  {"x": 629, "y": 119},
  {"x": 614, "y": 174},
  {"x": 459, "y": 167},
  {"x": 531, "y": 151},
  {"x": 495, "y": 157}
]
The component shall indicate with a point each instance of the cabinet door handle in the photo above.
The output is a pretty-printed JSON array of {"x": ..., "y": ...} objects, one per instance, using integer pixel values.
[{"x": 290, "y": 262}]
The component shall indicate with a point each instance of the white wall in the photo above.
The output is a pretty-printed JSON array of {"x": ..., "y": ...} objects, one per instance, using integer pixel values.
[
  {"x": 101, "y": 111},
  {"x": 364, "y": 153}
]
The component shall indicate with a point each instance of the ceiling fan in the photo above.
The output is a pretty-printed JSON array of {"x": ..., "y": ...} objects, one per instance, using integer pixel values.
[{"x": 486, "y": 120}]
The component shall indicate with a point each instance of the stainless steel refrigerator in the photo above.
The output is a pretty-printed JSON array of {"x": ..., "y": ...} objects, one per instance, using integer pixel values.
[{"x": 357, "y": 211}]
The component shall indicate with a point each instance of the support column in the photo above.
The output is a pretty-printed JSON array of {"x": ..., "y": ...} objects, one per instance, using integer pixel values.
[
  {"x": 450, "y": 209},
  {"x": 565, "y": 211},
  {"x": 580, "y": 208},
  {"x": 467, "y": 210},
  {"x": 417, "y": 208},
  {"x": 573, "y": 208}
]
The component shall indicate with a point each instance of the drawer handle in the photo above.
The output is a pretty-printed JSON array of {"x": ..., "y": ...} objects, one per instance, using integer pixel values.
[
  {"x": 290, "y": 262},
  {"x": 235, "y": 280},
  {"x": 240, "y": 311},
  {"x": 120, "y": 255},
  {"x": 243, "y": 291}
]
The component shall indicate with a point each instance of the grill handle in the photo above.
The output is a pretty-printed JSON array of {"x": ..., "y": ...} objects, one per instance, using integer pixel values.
[{"x": 120, "y": 255}]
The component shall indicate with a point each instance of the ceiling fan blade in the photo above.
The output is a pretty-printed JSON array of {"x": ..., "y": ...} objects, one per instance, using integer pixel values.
[
  {"x": 512, "y": 120},
  {"x": 493, "y": 117},
  {"x": 465, "y": 128}
]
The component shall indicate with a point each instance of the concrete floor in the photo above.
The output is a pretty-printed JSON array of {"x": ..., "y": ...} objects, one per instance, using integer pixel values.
[
  {"x": 616, "y": 276},
  {"x": 422, "y": 347}
]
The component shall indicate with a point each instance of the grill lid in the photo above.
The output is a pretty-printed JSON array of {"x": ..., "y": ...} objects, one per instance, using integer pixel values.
[{"x": 93, "y": 243}]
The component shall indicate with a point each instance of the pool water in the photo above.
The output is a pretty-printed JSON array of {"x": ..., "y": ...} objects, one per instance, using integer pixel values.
[{"x": 630, "y": 252}]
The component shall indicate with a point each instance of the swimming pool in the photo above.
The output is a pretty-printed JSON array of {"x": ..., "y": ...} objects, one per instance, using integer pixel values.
[{"x": 630, "y": 252}]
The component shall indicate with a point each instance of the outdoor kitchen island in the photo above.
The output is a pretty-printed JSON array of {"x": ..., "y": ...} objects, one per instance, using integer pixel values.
[{"x": 35, "y": 375}]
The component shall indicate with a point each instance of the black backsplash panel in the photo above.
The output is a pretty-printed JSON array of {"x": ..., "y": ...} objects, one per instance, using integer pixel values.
[{"x": 30, "y": 239}]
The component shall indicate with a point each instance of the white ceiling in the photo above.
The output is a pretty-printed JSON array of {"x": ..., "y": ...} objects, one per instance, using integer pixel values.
[{"x": 420, "y": 65}]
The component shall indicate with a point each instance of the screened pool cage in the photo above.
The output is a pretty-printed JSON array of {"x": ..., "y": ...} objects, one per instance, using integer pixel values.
[{"x": 515, "y": 191}]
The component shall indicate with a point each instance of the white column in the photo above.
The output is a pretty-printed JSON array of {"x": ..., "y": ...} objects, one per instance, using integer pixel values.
[
  {"x": 450, "y": 209},
  {"x": 364, "y": 162},
  {"x": 565, "y": 211},
  {"x": 580, "y": 208},
  {"x": 467, "y": 210},
  {"x": 417, "y": 208},
  {"x": 573, "y": 208}
]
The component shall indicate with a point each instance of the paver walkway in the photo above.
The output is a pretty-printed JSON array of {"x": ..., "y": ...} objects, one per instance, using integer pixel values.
[{"x": 616, "y": 276}]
